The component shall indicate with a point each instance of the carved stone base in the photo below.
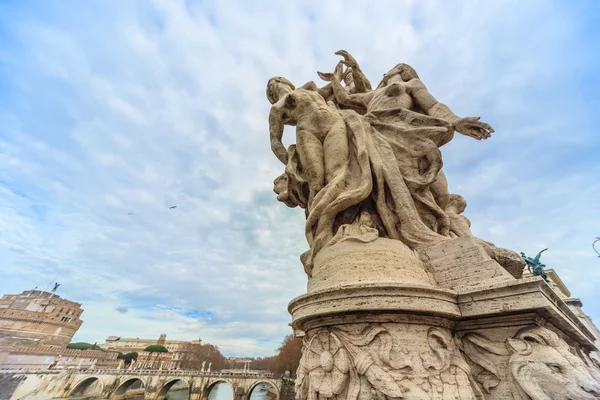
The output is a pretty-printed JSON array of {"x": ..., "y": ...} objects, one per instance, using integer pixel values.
[
  {"x": 462, "y": 262},
  {"x": 380, "y": 321},
  {"x": 383, "y": 360},
  {"x": 351, "y": 263},
  {"x": 531, "y": 361}
]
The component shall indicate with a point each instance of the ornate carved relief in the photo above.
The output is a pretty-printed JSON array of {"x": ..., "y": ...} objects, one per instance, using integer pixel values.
[
  {"x": 534, "y": 364},
  {"x": 383, "y": 361}
]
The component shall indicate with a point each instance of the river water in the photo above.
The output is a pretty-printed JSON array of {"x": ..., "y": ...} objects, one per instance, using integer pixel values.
[{"x": 223, "y": 391}]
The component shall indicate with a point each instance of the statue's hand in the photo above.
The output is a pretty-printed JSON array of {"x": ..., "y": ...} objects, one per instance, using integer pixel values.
[
  {"x": 340, "y": 75},
  {"x": 348, "y": 61},
  {"x": 472, "y": 127},
  {"x": 280, "y": 151},
  {"x": 339, "y": 71},
  {"x": 326, "y": 76}
]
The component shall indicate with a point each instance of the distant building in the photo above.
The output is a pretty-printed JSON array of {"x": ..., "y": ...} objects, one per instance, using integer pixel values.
[
  {"x": 36, "y": 317},
  {"x": 170, "y": 360},
  {"x": 239, "y": 363},
  {"x": 48, "y": 357},
  {"x": 35, "y": 328}
]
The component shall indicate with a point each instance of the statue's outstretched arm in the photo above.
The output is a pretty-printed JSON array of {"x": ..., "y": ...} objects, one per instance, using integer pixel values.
[
  {"x": 276, "y": 133},
  {"x": 361, "y": 82},
  {"x": 430, "y": 104},
  {"x": 356, "y": 101},
  {"x": 469, "y": 126}
]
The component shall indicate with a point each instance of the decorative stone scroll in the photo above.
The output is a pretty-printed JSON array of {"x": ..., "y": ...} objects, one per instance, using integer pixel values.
[
  {"x": 535, "y": 363},
  {"x": 383, "y": 361}
]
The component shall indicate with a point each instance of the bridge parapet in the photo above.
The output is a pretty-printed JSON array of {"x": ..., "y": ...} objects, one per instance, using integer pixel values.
[
  {"x": 113, "y": 383},
  {"x": 174, "y": 373}
]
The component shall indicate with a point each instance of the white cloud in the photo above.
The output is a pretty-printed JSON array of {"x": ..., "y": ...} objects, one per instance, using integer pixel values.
[{"x": 134, "y": 107}]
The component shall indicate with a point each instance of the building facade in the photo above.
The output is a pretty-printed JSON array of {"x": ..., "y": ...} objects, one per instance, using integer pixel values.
[
  {"x": 170, "y": 361},
  {"x": 36, "y": 317},
  {"x": 49, "y": 357}
]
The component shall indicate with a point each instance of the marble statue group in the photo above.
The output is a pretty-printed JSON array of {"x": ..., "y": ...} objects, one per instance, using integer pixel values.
[
  {"x": 367, "y": 161},
  {"x": 403, "y": 301}
]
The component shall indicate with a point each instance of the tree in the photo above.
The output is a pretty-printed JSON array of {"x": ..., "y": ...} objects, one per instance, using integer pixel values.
[
  {"x": 289, "y": 355},
  {"x": 83, "y": 346},
  {"x": 265, "y": 364},
  {"x": 155, "y": 348},
  {"x": 287, "y": 359},
  {"x": 128, "y": 358},
  {"x": 194, "y": 354}
]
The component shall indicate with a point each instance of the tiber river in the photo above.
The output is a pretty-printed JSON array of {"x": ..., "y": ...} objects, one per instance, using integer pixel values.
[{"x": 222, "y": 391}]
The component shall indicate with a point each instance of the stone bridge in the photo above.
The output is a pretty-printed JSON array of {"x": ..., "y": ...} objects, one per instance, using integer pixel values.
[{"x": 122, "y": 384}]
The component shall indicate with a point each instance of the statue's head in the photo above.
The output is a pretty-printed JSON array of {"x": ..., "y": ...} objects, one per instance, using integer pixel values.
[
  {"x": 277, "y": 87},
  {"x": 405, "y": 71},
  {"x": 457, "y": 202}
]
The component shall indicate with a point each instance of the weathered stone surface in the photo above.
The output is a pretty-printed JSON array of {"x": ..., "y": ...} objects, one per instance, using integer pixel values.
[
  {"x": 367, "y": 159},
  {"x": 355, "y": 262},
  {"x": 372, "y": 361},
  {"x": 531, "y": 363},
  {"x": 461, "y": 262},
  {"x": 403, "y": 301}
]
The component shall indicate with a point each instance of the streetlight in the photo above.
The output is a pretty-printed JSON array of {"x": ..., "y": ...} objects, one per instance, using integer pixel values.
[{"x": 594, "y": 247}]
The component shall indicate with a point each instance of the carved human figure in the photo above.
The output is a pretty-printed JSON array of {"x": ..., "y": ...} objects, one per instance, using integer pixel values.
[
  {"x": 377, "y": 169},
  {"x": 401, "y": 89},
  {"x": 321, "y": 141},
  {"x": 459, "y": 224}
]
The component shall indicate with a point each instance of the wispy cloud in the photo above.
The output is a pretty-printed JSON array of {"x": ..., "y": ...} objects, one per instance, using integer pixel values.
[{"x": 111, "y": 113}]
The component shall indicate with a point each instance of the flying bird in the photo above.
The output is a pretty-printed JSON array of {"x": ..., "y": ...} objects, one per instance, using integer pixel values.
[{"x": 172, "y": 207}]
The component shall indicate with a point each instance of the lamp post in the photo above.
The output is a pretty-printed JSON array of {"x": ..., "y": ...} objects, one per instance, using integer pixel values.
[{"x": 594, "y": 247}]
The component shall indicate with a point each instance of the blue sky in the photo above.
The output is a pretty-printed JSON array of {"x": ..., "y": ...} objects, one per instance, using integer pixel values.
[{"x": 109, "y": 108}]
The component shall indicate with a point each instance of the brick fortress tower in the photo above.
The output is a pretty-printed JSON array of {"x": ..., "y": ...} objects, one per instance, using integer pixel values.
[{"x": 36, "y": 317}]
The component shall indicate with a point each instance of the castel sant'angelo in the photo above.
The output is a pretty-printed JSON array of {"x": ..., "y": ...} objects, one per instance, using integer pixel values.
[{"x": 37, "y": 317}]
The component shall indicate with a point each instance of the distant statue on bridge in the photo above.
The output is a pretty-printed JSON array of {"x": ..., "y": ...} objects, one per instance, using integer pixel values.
[{"x": 535, "y": 266}]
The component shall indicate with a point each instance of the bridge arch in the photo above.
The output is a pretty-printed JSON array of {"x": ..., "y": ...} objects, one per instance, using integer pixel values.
[
  {"x": 211, "y": 385},
  {"x": 268, "y": 382},
  {"x": 130, "y": 383},
  {"x": 87, "y": 386},
  {"x": 165, "y": 389}
]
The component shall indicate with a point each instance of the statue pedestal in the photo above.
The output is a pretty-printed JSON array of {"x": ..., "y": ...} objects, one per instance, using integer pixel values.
[{"x": 447, "y": 322}]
